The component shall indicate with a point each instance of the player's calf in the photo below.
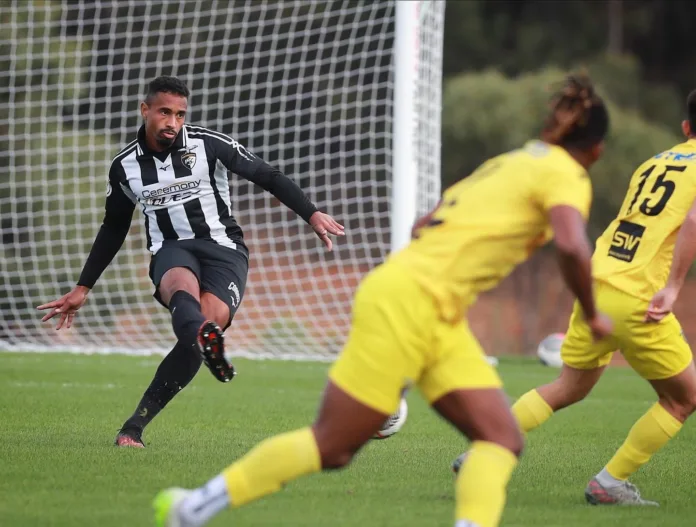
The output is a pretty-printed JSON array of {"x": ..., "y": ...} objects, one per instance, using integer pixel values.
[
  {"x": 571, "y": 386},
  {"x": 484, "y": 416},
  {"x": 342, "y": 427}
]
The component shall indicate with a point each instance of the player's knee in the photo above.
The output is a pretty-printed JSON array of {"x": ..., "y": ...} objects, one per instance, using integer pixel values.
[
  {"x": 681, "y": 407},
  {"x": 178, "y": 279},
  {"x": 215, "y": 309}
]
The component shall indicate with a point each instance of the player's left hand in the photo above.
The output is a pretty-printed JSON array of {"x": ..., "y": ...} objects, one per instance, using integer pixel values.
[
  {"x": 661, "y": 304},
  {"x": 323, "y": 225},
  {"x": 66, "y": 306}
]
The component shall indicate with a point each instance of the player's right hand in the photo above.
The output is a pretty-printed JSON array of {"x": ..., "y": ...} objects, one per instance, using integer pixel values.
[
  {"x": 601, "y": 326},
  {"x": 661, "y": 304},
  {"x": 66, "y": 306}
]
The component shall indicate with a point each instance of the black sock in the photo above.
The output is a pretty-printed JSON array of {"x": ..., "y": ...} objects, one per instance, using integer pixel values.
[
  {"x": 186, "y": 317},
  {"x": 173, "y": 374}
]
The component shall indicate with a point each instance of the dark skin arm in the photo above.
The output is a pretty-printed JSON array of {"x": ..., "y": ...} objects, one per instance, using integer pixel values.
[
  {"x": 683, "y": 257},
  {"x": 574, "y": 258}
]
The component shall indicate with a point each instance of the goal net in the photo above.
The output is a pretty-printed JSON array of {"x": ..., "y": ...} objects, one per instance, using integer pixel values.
[{"x": 323, "y": 90}]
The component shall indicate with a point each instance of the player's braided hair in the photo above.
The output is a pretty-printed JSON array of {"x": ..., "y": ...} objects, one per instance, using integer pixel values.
[{"x": 578, "y": 115}]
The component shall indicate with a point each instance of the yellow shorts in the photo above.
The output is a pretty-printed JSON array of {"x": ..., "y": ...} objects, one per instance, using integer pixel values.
[
  {"x": 654, "y": 350},
  {"x": 397, "y": 340}
]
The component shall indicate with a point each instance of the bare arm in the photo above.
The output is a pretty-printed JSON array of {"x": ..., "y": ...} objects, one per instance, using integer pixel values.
[
  {"x": 574, "y": 255},
  {"x": 683, "y": 256},
  {"x": 684, "y": 250}
]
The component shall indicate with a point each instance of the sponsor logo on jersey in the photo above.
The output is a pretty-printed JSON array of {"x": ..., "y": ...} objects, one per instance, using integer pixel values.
[
  {"x": 626, "y": 240},
  {"x": 670, "y": 155},
  {"x": 178, "y": 191}
]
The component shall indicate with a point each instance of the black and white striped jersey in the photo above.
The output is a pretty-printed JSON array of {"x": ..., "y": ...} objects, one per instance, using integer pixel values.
[
  {"x": 184, "y": 194},
  {"x": 184, "y": 191}
]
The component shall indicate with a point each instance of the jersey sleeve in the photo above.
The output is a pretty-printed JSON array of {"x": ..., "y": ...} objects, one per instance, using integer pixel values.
[
  {"x": 235, "y": 156},
  {"x": 118, "y": 215},
  {"x": 119, "y": 205},
  {"x": 239, "y": 160},
  {"x": 573, "y": 188}
]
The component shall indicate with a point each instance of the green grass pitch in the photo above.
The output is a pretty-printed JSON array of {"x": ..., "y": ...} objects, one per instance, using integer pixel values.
[{"x": 58, "y": 467}]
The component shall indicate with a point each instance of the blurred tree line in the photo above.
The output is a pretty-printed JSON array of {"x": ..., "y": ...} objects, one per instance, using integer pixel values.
[{"x": 500, "y": 55}]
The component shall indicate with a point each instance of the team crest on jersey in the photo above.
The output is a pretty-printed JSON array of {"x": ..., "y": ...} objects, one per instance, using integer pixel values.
[{"x": 189, "y": 160}]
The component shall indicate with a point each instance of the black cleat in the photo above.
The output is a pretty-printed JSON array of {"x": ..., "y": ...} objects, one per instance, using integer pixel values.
[
  {"x": 212, "y": 347},
  {"x": 129, "y": 438}
]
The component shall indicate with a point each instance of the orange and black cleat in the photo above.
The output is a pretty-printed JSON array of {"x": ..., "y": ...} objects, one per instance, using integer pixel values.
[
  {"x": 212, "y": 348},
  {"x": 129, "y": 438}
]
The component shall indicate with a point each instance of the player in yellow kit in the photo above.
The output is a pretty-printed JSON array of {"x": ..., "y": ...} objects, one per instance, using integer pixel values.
[
  {"x": 409, "y": 323},
  {"x": 640, "y": 263}
]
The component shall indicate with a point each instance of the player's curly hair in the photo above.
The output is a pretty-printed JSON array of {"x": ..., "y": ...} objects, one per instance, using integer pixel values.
[
  {"x": 579, "y": 117},
  {"x": 165, "y": 84}
]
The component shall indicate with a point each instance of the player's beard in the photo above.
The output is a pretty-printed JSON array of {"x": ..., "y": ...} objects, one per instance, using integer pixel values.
[{"x": 163, "y": 141}]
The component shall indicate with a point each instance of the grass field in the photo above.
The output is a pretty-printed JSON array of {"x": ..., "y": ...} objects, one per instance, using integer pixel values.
[{"x": 58, "y": 466}]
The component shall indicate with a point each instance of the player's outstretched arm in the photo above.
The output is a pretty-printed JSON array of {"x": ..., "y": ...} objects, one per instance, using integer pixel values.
[
  {"x": 239, "y": 160},
  {"x": 575, "y": 260},
  {"x": 683, "y": 257},
  {"x": 117, "y": 219}
]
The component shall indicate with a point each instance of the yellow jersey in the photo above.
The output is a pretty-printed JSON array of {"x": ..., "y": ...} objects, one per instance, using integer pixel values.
[
  {"x": 491, "y": 221},
  {"x": 634, "y": 254}
]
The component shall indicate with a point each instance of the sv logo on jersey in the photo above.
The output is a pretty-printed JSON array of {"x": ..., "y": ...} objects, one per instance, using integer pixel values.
[
  {"x": 626, "y": 241},
  {"x": 189, "y": 160}
]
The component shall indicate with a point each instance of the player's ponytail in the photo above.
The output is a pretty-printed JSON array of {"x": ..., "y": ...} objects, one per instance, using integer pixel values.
[{"x": 578, "y": 116}]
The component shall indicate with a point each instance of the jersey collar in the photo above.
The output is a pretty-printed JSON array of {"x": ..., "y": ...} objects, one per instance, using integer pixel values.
[
  {"x": 181, "y": 141},
  {"x": 563, "y": 153}
]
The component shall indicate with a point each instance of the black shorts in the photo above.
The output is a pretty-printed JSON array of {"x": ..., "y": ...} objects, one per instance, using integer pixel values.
[{"x": 220, "y": 270}]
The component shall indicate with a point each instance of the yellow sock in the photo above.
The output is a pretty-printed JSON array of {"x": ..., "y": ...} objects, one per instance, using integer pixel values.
[
  {"x": 482, "y": 482},
  {"x": 531, "y": 411},
  {"x": 271, "y": 464},
  {"x": 650, "y": 433}
]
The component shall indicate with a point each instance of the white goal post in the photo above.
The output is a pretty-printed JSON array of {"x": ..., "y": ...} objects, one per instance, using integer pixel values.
[{"x": 344, "y": 96}]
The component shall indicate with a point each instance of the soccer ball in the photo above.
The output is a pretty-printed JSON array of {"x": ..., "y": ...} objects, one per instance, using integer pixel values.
[
  {"x": 394, "y": 422},
  {"x": 549, "y": 350}
]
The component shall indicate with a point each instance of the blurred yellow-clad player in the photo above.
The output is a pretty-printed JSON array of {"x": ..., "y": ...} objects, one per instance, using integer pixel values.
[
  {"x": 640, "y": 263},
  {"x": 409, "y": 323}
]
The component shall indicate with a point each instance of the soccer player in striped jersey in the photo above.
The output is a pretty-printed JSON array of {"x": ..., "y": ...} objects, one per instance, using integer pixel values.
[
  {"x": 409, "y": 324},
  {"x": 178, "y": 175}
]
